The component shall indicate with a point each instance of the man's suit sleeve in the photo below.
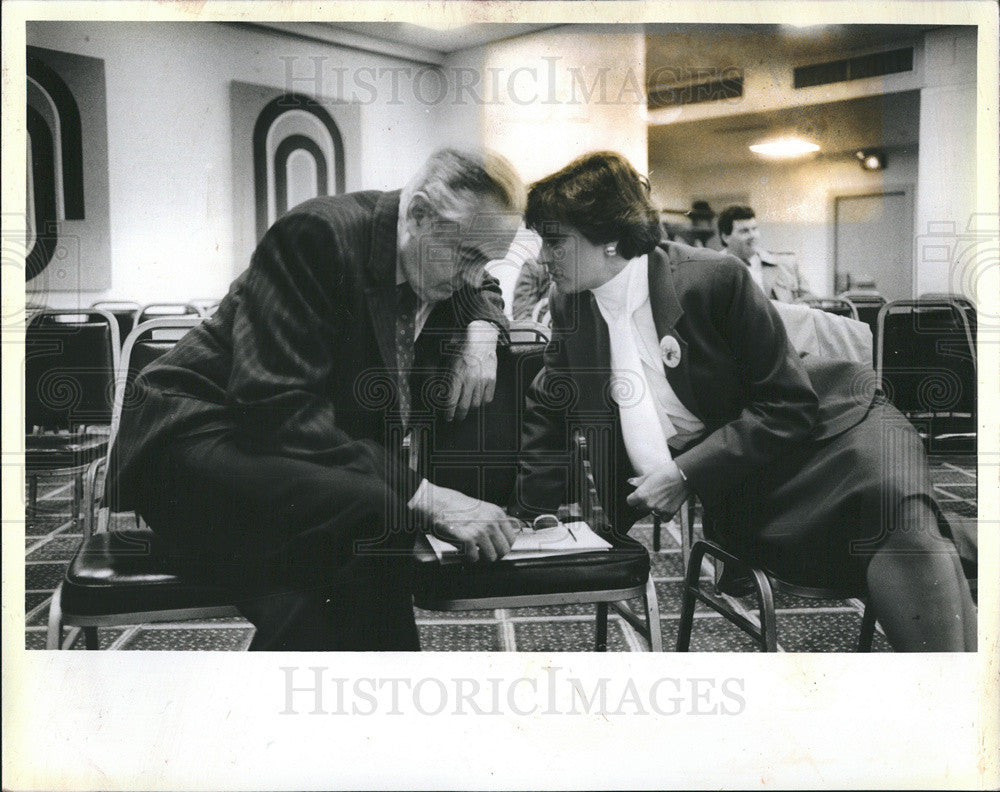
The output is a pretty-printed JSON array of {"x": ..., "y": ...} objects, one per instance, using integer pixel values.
[
  {"x": 484, "y": 303},
  {"x": 285, "y": 333},
  {"x": 781, "y": 407}
]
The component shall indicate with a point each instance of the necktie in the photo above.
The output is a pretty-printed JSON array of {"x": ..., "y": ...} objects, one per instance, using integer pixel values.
[{"x": 406, "y": 323}]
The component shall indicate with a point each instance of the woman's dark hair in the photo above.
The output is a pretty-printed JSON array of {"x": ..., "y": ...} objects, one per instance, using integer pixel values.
[{"x": 603, "y": 197}]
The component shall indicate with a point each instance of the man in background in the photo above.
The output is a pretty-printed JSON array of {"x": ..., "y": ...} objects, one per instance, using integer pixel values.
[
  {"x": 532, "y": 285},
  {"x": 778, "y": 280}
]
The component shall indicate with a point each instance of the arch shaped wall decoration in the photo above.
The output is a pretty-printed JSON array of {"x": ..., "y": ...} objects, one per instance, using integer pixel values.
[
  {"x": 287, "y": 148},
  {"x": 67, "y": 228}
]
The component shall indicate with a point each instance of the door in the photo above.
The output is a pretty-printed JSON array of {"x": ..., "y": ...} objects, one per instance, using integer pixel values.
[{"x": 874, "y": 242}]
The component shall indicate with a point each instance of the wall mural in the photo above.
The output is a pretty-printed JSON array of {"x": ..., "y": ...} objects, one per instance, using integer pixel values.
[
  {"x": 67, "y": 224},
  {"x": 287, "y": 148}
]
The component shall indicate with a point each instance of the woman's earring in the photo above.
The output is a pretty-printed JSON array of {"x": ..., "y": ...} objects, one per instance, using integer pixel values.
[{"x": 611, "y": 250}]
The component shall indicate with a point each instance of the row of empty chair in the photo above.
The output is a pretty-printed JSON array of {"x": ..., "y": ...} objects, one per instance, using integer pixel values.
[{"x": 131, "y": 314}]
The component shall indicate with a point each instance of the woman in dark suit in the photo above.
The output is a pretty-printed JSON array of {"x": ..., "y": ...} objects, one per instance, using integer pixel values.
[{"x": 676, "y": 358}]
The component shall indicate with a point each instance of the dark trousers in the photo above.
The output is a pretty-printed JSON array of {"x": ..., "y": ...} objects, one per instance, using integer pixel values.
[{"x": 309, "y": 550}]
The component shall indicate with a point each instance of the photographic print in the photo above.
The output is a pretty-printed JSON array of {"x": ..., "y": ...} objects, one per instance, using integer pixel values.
[{"x": 453, "y": 359}]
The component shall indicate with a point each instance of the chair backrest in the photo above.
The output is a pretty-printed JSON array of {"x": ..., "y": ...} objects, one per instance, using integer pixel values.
[
  {"x": 961, "y": 301},
  {"x": 479, "y": 455},
  {"x": 163, "y": 310},
  {"x": 123, "y": 311},
  {"x": 926, "y": 364},
  {"x": 834, "y": 305},
  {"x": 529, "y": 331},
  {"x": 69, "y": 372},
  {"x": 147, "y": 342},
  {"x": 867, "y": 306}
]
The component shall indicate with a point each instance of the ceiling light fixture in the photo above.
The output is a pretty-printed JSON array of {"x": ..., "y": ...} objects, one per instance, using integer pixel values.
[
  {"x": 785, "y": 147},
  {"x": 871, "y": 159}
]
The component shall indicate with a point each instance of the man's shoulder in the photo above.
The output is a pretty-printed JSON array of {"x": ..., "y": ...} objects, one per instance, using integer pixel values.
[{"x": 337, "y": 208}]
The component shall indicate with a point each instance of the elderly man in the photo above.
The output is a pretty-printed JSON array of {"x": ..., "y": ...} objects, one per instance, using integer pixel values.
[
  {"x": 741, "y": 237},
  {"x": 265, "y": 448}
]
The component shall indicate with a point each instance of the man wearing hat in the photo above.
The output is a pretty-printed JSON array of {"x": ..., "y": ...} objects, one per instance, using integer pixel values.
[{"x": 702, "y": 231}]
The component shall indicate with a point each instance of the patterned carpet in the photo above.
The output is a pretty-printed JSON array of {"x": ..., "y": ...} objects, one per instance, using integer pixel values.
[{"x": 803, "y": 625}]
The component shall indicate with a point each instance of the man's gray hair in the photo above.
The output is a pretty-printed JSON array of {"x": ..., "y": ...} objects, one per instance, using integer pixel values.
[{"x": 452, "y": 182}]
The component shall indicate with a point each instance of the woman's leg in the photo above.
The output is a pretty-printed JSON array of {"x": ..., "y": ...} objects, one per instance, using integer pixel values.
[{"x": 917, "y": 587}]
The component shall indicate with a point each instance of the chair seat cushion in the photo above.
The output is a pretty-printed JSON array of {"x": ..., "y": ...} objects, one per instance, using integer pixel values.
[
  {"x": 121, "y": 572},
  {"x": 56, "y": 452},
  {"x": 625, "y": 565}
]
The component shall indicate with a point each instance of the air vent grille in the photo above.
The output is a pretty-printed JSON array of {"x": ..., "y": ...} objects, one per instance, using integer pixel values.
[
  {"x": 857, "y": 68},
  {"x": 729, "y": 87}
]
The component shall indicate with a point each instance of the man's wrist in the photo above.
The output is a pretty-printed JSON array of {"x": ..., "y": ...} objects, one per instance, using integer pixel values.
[
  {"x": 483, "y": 331},
  {"x": 422, "y": 500}
]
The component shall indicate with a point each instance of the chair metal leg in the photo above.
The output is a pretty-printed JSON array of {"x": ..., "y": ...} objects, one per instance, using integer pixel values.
[
  {"x": 685, "y": 517},
  {"x": 601, "y": 640},
  {"x": 688, "y": 597},
  {"x": 32, "y": 493},
  {"x": 867, "y": 629},
  {"x": 652, "y": 607},
  {"x": 656, "y": 533},
  {"x": 765, "y": 604},
  {"x": 90, "y": 638},
  {"x": 53, "y": 639},
  {"x": 77, "y": 497}
]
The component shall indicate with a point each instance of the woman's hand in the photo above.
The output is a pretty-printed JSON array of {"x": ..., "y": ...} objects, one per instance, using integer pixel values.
[
  {"x": 474, "y": 377},
  {"x": 662, "y": 491}
]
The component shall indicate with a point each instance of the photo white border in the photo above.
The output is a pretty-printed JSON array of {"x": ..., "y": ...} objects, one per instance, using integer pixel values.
[{"x": 172, "y": 720}]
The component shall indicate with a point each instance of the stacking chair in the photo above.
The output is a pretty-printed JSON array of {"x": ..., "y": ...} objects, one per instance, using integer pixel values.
[
  {"x": 765, "y": 633},
  {"x": 961, "y": 301},
  {"x": 118, "y": 576},
  {"x": 123, "y": 311},
  {"x": 834, "y": 305},
  {"x": 529, "y": 331},
  {"x": 926, "y": 364},
  {"x": 70, "y": 361},
  {"x": 479, "y": 456},
  {"x": 163, "y": 310},
  {"x": 867, "y": 304}
]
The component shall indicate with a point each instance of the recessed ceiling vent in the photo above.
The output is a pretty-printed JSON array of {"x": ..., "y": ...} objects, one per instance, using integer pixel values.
[
  {"x": 857, "y": 68},
  {"x": 728, "y": 87}
]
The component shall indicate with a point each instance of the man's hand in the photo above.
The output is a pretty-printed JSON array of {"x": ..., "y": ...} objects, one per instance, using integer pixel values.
[
  {"x": 480, "y": 529},
  {"x": 474, "y": 376},
  {"x": 662, "y": 491}
]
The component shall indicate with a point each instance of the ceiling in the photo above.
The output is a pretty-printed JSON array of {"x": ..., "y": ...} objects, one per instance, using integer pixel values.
[
  {"x": 674, "y": 51},
  {"x": 439, "y": 39},
  {"x": 890, "y": 121}
]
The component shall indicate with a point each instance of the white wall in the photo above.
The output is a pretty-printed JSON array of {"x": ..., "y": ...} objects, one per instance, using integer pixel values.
[
  {"x": 169, "y": 146},
  {"x": 947, "y": 200},
  {"x": 793, "y": 202},
  {"x": 542, "y": 99},
  {"x": 550, "y": 105}
]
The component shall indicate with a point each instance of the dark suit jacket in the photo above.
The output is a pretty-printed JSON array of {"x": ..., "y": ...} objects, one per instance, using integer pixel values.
[
  {"x": 737, "y": 373},
  {"x": 299, "y": 360}
]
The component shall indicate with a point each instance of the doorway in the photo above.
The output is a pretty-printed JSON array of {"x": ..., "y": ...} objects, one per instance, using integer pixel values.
[{"x": 873, "y": 242}]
